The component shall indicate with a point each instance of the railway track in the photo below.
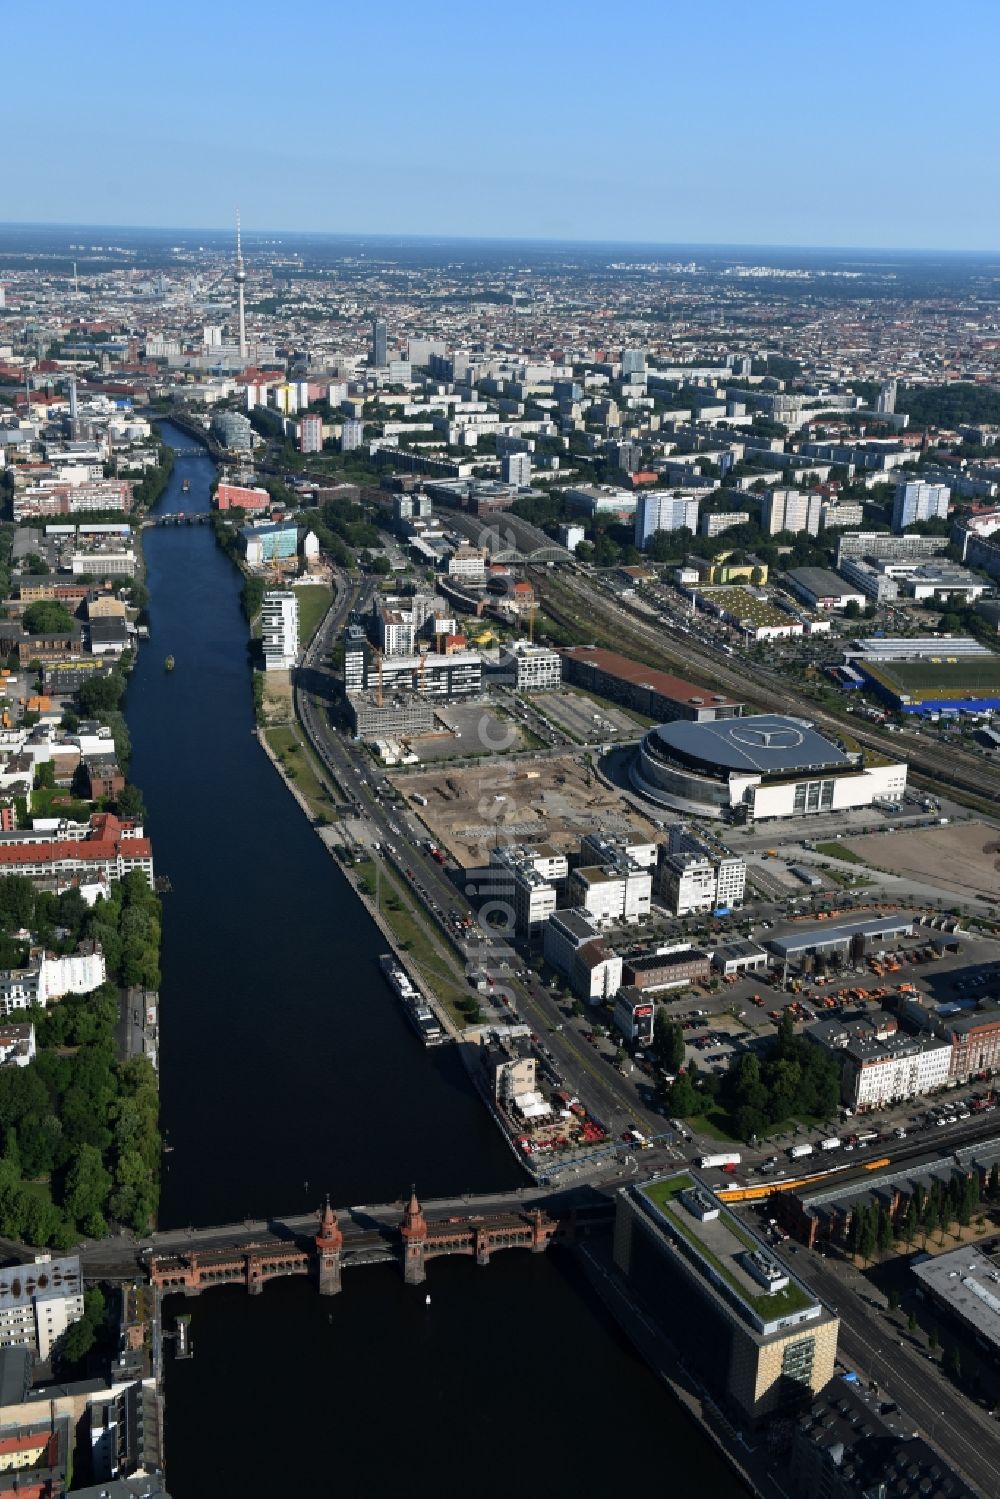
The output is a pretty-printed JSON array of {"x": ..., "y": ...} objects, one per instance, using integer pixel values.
[{"x": 951, "y": 771}]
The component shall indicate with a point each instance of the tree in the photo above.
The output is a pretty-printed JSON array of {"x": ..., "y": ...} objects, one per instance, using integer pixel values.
[
  {"x": 100, "y": 695},
  {"x": 993, "y": 1184},
  {"x": 668, "y": 1041},
  {"x": 682, "y": 1099},
  {"x": 869, "y": 1235},
  {"x": 17, "y": 902},
  {"x": 131, "y": 805},
  {"x": 933, "y": 1340},
  {"x": 884, "y": 1230},
  {"x": 45, "y": 776},
  {"x": 893, "y": 1300},
  {"x": 81, "y": 1335},
  {"x": 87, "y": 1188},
  {"x": 911, "y": 1322},
  {"x": 852, "y": 609},
  {"x": 953, "y": 1361},
  {"x": 856, "y": 1228},
  {"x": 47, "y": 617}
]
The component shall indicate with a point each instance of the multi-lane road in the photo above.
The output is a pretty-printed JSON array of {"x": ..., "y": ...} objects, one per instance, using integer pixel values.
[
  {"x": 903, "y": 1372},
  {"x": 609, "y": 1096}
]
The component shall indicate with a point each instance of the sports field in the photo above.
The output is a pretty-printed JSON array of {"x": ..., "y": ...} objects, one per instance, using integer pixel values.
[{"x": 940, "y": 677}]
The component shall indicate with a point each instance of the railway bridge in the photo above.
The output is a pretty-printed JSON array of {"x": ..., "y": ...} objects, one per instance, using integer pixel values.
[{"x": 322, "y": 1248}]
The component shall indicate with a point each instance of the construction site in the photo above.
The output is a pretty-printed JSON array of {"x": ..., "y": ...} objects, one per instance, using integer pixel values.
[{"x": 555, "y": 801}]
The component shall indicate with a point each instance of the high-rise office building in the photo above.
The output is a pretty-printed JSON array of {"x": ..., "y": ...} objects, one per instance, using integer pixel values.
[
  {"x": 886, "y": 403},
  {"x": 311, "y": 433},
  {"x": 633, "y": 361},
  {"x": 659, "y": 510},
  {"x": 279, "y": 627},
  {"x": 915, "y": 501},
  {"x": 789, "y": 510},
  {"x": 515, "y": 468},
  {"x": 352, "y": 435},
  {"x": 380, "y": 343}
]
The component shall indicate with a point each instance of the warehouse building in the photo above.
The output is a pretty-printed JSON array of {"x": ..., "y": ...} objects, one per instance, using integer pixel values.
[
  {"x": 860, "y": 936},
  {"x": 656, "y": 694},
  {"x": 965, "y": 1284},
  {"x": 823, "y": 589}
]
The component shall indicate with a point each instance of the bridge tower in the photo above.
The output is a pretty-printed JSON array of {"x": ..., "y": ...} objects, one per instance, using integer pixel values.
[
  {"x": 413, "y": 1231},
  {"x": 329, "y": 1242}
]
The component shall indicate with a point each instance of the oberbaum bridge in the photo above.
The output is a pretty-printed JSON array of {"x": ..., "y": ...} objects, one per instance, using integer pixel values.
[{"x": 187, "y": 1263}]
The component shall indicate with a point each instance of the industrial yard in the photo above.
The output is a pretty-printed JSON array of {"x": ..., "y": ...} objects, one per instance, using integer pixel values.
[
  {"x": 554, "y": 801},
  {"x": 964, "y": 856}
]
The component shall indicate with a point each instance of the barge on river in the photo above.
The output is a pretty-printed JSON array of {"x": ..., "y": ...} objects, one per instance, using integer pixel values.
[{"x": 418, "y": 1011}]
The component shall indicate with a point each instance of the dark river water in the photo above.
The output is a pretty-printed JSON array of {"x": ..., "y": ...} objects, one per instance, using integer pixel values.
[{"x": 288, "y": 1071}]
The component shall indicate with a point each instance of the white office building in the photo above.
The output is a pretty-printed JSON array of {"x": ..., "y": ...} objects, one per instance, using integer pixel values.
[
  {"x": 532, "y": 667},
  {"x": 468, "y": 563},
  {"x": 915, "y": 501},
  {"x": 790, "y": 510},
  {"x": 527, "y": 879},
  {"x": 39, "y": 1301},
  {"x": 515, "y": 468},
  {"x": 279, "y": 617},
  {"x": 660, "y": 510},
  {"x": 611, "y": 894},
  {"x": 693, "y": 878}
]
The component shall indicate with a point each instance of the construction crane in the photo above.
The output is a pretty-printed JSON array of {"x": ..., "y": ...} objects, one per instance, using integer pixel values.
[{"x": 378, "y": 668}]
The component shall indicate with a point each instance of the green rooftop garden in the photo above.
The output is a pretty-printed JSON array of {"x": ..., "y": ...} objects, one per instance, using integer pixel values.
[{"x": 769, "y": 1305}]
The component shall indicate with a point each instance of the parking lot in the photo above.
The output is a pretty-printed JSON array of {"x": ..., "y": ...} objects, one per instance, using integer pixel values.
[
  {"x": 468, "y": 729},
  {"x": 586, "y": 721}
]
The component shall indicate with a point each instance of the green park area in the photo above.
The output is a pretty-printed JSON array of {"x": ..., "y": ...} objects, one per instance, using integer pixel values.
[
  {"x": 314, "y": 601},
  {"x": 299, "y": 764},
  {"x": 839, "y": 851},
  {"x": 79, "y": 1140},
  {"x": 419, "y": 944}
]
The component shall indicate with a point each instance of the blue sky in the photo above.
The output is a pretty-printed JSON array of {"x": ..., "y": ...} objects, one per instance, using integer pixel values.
[{"x": 868, "y": 124}]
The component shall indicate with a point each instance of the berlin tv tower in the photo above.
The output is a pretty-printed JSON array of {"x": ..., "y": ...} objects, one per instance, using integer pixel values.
[{"x": 240, "y": 276}]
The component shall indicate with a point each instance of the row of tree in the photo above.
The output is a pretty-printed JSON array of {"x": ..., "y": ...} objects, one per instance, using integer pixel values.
[{"x": 873, "y": 1227}]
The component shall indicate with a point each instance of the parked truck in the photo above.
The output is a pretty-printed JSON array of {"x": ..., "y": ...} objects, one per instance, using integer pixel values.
[
  {"x": 730, "y": 1158},
  {"x": 833, "y": 1143},
  {"x": 796, "y": 1152}
]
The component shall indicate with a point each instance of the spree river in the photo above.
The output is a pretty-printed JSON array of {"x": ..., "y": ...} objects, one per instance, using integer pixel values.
[{"x": 287, "y": 1071}]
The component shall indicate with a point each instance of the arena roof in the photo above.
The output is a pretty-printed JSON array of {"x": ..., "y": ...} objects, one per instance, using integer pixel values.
[{"x": 764, "y": 743}]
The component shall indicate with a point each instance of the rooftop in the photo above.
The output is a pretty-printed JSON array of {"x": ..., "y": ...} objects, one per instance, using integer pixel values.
[
  {"x": 720, "y": 1245},
  {"x": 764, "y": 743},
  {"x": 644, "y": 676},
  {"x": 802, "y": 938}
]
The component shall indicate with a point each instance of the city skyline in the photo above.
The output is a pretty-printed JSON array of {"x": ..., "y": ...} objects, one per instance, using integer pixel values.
[{"x": 784, "y": 134}]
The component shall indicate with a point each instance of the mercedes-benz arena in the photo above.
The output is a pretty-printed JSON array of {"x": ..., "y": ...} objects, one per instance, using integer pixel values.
[{"x": 765, "y": 765}]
